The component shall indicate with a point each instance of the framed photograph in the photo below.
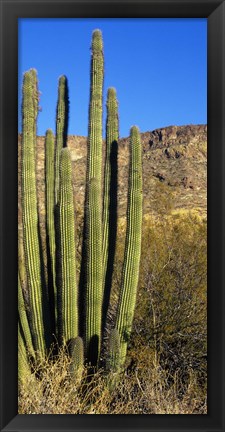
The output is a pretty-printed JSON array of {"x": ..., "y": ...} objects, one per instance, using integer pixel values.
[{"x": 112, "y": 215}]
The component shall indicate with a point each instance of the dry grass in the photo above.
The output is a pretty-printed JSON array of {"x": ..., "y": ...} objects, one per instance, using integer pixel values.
[{"x": 145, "y": 390}]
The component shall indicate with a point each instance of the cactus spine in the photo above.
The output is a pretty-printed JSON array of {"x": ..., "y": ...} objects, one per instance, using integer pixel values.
[
  {"x": 61, "y": 127},
  {"x": 130, "y": 271},
  {"x": 29, "y": 208},
  {"x": 93, "y": 204},
  {"x": 112, "y": 136},
  {"x": 68, "y": 290},
  {"x": 50, "y": 204}
]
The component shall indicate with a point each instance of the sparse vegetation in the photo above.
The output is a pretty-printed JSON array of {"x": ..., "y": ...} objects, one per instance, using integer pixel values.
[{"x": 146, "y": 391}]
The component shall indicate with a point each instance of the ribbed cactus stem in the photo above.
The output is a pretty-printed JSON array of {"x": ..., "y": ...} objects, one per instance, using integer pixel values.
[
  {"x": 24, "y": 371},
  {"x": 130, "y": 271},
  {"x": 95, "y": 109},
  {"x": 50, "y": 205},
  {"x": 113, "y": 356},
  {"x": 94, "y": 273},
  {"x": 21, "y": 262},
  {"x": 29, "y": 209},
  {"x": 61, "y": 127},
  {"x": 24, "y": 321},
  {"x": 77, "y": 355},
  {"x": 93, "y": 203},
  {"x": 112, "y": 136},
  {"x": 35, "y": 100},
  {"x": 68, "y": 298}
]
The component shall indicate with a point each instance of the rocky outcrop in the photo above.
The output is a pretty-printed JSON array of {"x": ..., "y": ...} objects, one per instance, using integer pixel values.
[{"x": 174, "y": 168}]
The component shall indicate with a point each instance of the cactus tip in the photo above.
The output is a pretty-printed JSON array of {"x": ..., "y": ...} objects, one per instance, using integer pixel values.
[
  {"x": 134, "y": 129},
  {"x": 111, "y": 92},
  {"x": 97, "y": 42},
  {"x": 97, "y": 33},
  {"x": 65, "y": 153},
  {"x": 62, "y": 78}
]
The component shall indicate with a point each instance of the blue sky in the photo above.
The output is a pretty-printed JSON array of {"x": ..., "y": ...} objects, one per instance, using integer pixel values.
[{"x": 158, "y": 67}]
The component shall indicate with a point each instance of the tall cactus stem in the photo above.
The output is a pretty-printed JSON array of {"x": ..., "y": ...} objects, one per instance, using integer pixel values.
[
  {"x": 94, "y": 274},
  {"x": 93, "y": 204},
  {"x": 61, "y": 127},
  {"x": 130, "y": 271},
  {"x": 67, "y": 297},
  {"x": 50, "y": 205},
  {"x": 109, "y": 214},
  {"x": 94, "y": 160},
  {"x": 29, "y": 209}
]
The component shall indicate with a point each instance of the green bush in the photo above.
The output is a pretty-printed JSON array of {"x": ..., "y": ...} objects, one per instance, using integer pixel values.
[{"x": 170, "y": 317}]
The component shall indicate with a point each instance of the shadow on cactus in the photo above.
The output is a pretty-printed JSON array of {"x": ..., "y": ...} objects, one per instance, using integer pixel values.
[{"x": 78, "y": 304}]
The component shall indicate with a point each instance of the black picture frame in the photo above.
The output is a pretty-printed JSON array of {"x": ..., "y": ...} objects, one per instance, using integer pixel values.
[{"x": 214, "y": 11}]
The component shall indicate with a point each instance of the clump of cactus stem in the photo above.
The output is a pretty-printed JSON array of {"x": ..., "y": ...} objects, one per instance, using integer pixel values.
[{"x": 60, "y": 305}]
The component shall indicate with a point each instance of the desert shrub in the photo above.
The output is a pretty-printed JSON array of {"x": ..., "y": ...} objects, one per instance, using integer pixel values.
[{"x": 171, "y": 309}]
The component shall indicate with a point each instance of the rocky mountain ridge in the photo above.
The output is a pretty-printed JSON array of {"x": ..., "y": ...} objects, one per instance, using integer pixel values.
[{"x": 174, "y": 169}]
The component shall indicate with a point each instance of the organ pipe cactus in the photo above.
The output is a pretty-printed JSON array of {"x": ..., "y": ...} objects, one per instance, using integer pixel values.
[
  {"x": 94, "y": 158},
  {"x": 50, "y": 208},
  {"x": 112, "y": 136},
  {"x": 94, "y": 290},
  {"x": 67, "y": 295},
  {"x": 94, "y": 274},
  {"x": 61, "y": 127},
  {"x": 29, "y": 209},
  {"x": 60, "y": 225},
  {"x": 130, "y": 271}
]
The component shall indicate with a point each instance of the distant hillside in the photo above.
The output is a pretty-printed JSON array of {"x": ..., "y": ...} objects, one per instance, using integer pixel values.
[{"x": 174, "y": 169}]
